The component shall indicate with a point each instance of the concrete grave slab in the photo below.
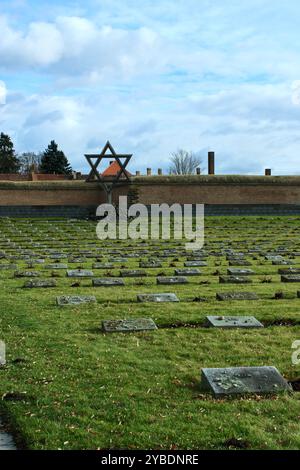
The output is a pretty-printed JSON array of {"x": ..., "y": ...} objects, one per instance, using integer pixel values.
[
  {"x": 133, "y": 273},
  {"x": 63, "y": 300},
  {"x": 171, "y": 280},
  {"x": 107, "y": 282},
  {"x": 169, "y": 297},
  {"x": 124, "y": 326},
  {"x": 236, "y": 296},
  {"x": 43, "y": 283},
  {"x": 240, "y": 272},
  {"x": 79, "y": 273},
  {"x": 290, "y": 278},
  {"x": 230, "y": 381},
  {"x": 191, "y": 264},
  {"x": 233, "y": 322},
  {"x": 234, "y": 280},
  {"x": 188, "y": 272}
]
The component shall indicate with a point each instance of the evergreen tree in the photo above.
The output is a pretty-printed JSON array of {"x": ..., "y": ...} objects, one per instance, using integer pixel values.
[
  {"x": 55, "y": 161},
  {"x": 9, "y": 162}
]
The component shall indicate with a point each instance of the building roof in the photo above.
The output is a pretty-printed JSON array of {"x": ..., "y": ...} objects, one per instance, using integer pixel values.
[{"x": 113, "y": 169}]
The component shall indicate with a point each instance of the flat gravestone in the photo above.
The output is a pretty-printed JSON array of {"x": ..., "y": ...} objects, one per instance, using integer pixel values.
[
  {"x": 191, "y": 264},
  {"x": 133, "y": 273},
  {"x": 289, "y": 271},
  {"x": 236, "y": 296},
  {"x": 26, "y": 274},
  {"x": 234, "y": 280},
  {"x": 75, "y": 299},
  {"x": 187, "y": 272},
  {"x": 157, "y": 298},
  {"x": 79, "y": 273},
  {"x": 240, "y": 262},
  {"x": 124, "y": 326},
  {"x": 40, "y": 283},
  {"x": 171, "y": 280},
  {"x": 229, "y": 381},
  {"x": 233, "y": 322},
  {"x": 150, "y": 264},
  {"x": 290, "y": 278},
  {"x": 56, "y": 266},
  {"x": 240, "y": 272},
  {"x": 282, "y": 262},
  {"x": 106, "y": 282}
]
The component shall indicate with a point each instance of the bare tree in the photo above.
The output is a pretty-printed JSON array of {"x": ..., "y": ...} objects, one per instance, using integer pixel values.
[
  {"x": 184, "y": 162},
  {"x": 29, "y": 161}
]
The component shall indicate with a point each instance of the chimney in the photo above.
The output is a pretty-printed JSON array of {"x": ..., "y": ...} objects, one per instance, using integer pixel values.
[
  {"x": 111, "y": 162},
  {"x": 198, "y": 171},
  {"x": 148, "y": 171},
  {"x": 211, "y": 163},
  {"x": 159, "y": 171},
  {"x": 137, "y": 173},
  {"x": 268, "y": 172}
]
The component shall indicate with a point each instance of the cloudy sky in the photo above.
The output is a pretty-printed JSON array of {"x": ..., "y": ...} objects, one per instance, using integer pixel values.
[{"x": 153, "y": 76}]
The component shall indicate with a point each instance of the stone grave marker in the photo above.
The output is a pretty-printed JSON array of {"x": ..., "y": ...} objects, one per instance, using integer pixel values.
[
  {"x": 289, "y": 271},
  {"x": 233, "y": 322},
  {"x": 240, "y": 272},
  {"x": 290, "y": 278},
  {"x": 79, "y": 273},
  {"x": 32, "y": 283},
  {"x": 169, "y": 297},
  {"x": 107, "y": 282},
  {"x": 236, "y": 296},
  {"x": 150, "y": 264},
  {"x": 240, "y": 262},
  {"x": 103, "y": 266},
  {"x": 56, "y": 266},
  {"x": 27, "y": 274},
  {"x": 133, "y": 273},
  {"x": 187, "y": 272},
  {"x": 8, "y": 266},
  {"x": 63, "y": 300},
  {"x": 124, "y": 326},
  {"x": 229, "y": 381},
  {"x": 234, "y": 280},
  {"x": 194, "y": 264},
  {"x": 171, "y": 280}
]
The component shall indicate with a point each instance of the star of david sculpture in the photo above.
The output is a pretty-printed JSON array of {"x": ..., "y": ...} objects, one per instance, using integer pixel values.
[{"x": 107, "y": 183}]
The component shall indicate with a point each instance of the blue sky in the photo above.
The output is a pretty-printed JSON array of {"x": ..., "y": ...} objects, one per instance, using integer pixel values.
[{"x": 154, "y": 76}]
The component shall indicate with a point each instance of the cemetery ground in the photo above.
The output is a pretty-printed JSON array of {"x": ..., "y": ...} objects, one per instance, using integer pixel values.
[{"x": 69, "y": 385}]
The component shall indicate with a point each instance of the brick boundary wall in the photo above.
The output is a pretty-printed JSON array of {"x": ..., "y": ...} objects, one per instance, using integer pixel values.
[{"x": 222, "y": 195}]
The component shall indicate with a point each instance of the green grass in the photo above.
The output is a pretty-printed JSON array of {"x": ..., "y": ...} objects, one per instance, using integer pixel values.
[{"x": 89, "y": 390}]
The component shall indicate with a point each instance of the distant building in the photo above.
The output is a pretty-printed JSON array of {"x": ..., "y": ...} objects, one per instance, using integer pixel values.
[{"x": 113, "y": 169}]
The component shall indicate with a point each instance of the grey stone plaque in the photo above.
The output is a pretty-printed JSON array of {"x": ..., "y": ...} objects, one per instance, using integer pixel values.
[
  {"x": 240, "y": 262},
  {"x": 63, "y": 300},
  {"x": 233, "y": 322},
  {"x": 103, "y": 266},
  {"x": 56, "y": 266},
  {"x": 234, "y": 280},
  {"x": 133, "y": 273},
  {"x": 40, "y": 283},
  {"x": 289, "y": 271},
  {"x": 187, "y": 272},
  {"x": 236, "y": 296},
  {"x": 107, "y": 282},
  {"x": 26, "y": 274},
  {"x": 240, "y": 272},
  {"x": 191, "y": 264},
  {"x": 224, "y": 382},
  {"x": 150, "y": 264},
  {"x": 79, "y": 273},
  {"x": 169, "y": 297},
  {"x": 290, "y": 278},
  {"x": 124, "y": 326},
  {"x": 171, "y": 280}
]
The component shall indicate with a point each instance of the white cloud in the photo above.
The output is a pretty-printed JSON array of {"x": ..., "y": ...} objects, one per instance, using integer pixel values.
[{"x": 2, "y": 92}]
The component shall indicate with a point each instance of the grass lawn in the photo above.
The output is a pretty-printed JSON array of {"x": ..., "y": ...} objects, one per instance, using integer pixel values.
[{"x": 74, "y": 387}]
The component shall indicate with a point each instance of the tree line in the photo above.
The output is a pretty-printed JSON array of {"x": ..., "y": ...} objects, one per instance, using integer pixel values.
[{"x": 51, "y": 161}]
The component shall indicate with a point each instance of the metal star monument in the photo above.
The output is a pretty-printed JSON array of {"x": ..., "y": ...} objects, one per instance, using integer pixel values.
[{"x": 107, "y": 183}]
